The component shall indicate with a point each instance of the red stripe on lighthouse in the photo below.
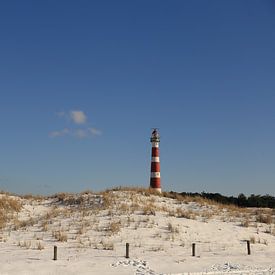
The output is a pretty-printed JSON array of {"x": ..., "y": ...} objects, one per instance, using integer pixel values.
[
  {"x": 155, "y": 183},
  {"x": 155, "y": 167},
  {"x": 155, "y": 151}
]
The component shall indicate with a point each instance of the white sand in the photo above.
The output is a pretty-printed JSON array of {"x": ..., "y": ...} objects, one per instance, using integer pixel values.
[{"x": 159, "y": 243}]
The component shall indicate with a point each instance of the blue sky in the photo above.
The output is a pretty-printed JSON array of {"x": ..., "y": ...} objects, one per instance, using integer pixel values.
[{"x": 83, "y": 82}]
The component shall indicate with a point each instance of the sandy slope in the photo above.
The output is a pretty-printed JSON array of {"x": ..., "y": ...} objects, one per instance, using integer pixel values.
[{"x": 90, "y": 231}]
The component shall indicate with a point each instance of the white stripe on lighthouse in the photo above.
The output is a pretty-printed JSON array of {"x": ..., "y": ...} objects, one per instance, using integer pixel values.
[
  {"x": 155, "y": 174},
  {"x": 155, "y": 144},
  {"x": 155, "y": 159}
]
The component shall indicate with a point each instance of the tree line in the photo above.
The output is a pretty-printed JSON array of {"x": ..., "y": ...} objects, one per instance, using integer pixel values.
[{"x": 241, "y": 200}]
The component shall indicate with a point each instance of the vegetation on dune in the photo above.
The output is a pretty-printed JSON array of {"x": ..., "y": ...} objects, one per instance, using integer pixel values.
[
  {"x": 241, "y": 200},
  {"x": 8, "y": 206},
  {"x": 260, "y": 201},
  {"x": 265, "y": 201},
  {"x": 99, "y": 220}
]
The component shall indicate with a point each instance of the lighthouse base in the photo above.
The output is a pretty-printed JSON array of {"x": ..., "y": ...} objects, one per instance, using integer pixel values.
[{"x": 156, "y": 189}]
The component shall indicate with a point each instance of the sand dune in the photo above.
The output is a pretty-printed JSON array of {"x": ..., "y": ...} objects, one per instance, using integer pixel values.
[{"x": 91, "y": 230}]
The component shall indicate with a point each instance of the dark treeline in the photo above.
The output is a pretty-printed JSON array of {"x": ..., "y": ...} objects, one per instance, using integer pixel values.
[{"x": 241, "y": 200}]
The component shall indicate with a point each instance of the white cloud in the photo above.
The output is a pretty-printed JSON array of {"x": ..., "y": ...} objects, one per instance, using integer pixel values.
[
  {"x": 79, "y": 127},
  {"x": 59, "y": 133},
  {"x": 78, "y": 117},
  {"x": 78, "y": 133},
  {"x": 86, "y": 133}
]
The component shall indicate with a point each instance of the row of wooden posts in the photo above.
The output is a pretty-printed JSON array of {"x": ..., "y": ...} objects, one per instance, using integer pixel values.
[
  {"x": 128, "y": 250},
  {"x": 194, "y": 248}
]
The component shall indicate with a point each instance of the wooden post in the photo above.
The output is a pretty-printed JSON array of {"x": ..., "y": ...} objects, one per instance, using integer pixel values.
[
  {"x": 55, "y": 253},
  {"x": 193, "y": 249},
  {"x": 248, "y": 247},
  {"x": 127, "y": 250}
]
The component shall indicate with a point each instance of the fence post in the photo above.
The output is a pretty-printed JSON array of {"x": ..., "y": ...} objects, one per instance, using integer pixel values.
[
  {"x": 193, "y": 249},
  {"x": 55, "y": 253},
  {"x": 127, "y": 250},
  {"x": 248, "y": 247}
]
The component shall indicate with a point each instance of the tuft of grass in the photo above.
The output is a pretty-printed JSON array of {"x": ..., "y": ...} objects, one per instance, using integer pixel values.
[
  {"x": 3, "y": 219},
  {"x": 44, "y": 225},
  {"x": 107, "y": 246},
  {"x": 108, "y": 200},
  {"x": 149, "y": 209},
  {"x": 114, "y": 227},
  {"x": 171, "y": 228},
  {"x": 124, "y": 208},
  {"x": 265, "y": 242},
  {"x": 60, "y": 236},
  {"x": 134, "y": 207},
  {"x": 31, "y": 197},
  {"x": 53, "y": 213},
  {"x": 61, "y": 196},
  {"x": 40, "y": 246},
  {"x": 245, "y": 223},
  {"x": 25, "y": 244},
  {"x": 8, "y": 206},
  {"x": 157, "y": 248},
  {"x": 207, "y": 215},
  {"x": 187, "y": 214},
  {"x": 264, "y": 218},
  {"x": 81, "y": 230},
  {"x": 252, "y": 239},
  {"x": 268, "y": 230}
]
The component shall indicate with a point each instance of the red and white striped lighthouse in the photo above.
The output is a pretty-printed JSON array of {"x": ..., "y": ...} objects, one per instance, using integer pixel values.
[{"x": 155, "y": 164}]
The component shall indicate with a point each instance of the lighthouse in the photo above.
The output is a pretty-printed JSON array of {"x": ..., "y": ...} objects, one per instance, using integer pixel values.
[{"x": 155, "y": 164}]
